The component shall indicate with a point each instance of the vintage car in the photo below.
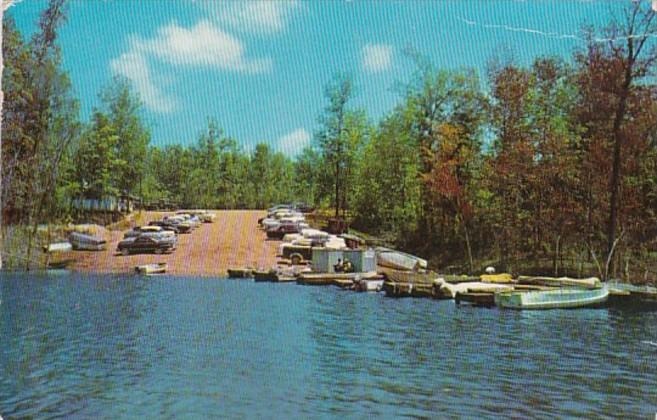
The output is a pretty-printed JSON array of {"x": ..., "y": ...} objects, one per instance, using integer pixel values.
[
  {"x": 174, "y": 225},
  {"x": 283, "y": 228},
  {"x": 136, "y": 231},
  {"x": 146, "y": 243}
]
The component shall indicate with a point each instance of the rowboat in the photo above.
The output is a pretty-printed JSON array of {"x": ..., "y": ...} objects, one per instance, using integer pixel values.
[
  {"x": 588, "y": 283},
  {"x": 239, "y": 273},
  {"x": 58, "y": 247},
  {"x": 364, "y": 285},
  {"x": 150, "y": 269},
  {"x": 86, "y": 242},
  {"x": 485, "y": 299},
  {"x": 552, "y": 299},
  {"x": 265, "y": 275},
  {"x": 390, "y": 258},
  {"x": 403, "y": 276}
]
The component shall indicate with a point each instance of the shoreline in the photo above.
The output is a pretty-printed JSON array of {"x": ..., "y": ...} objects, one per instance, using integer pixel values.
[{"x": 233, "y": 239}]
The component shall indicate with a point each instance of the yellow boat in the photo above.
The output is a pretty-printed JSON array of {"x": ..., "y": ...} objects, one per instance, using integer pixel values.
[{"x": 150, "y": 269}]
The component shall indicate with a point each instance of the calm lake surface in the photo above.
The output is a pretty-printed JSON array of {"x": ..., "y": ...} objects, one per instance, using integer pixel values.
[{"x": 107, "y": 346}]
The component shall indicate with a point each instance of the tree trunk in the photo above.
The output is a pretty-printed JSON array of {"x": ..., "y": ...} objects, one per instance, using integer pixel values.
[
  {"x": 468, "y": 247},
  {"x": 555, "y": 261}
]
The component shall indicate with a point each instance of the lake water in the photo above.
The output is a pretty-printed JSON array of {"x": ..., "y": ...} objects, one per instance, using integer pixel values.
[{"x": 107, "y": 346}]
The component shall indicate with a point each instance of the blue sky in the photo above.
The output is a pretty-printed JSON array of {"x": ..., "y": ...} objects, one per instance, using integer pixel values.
[{"x": 260, "y": 68}]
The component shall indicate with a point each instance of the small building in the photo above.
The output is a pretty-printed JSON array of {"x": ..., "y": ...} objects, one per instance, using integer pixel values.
[
  {"x": 124, "y": 203},
  {"x": 325, "y": 259},
  {"x": 363, "y": 260}
]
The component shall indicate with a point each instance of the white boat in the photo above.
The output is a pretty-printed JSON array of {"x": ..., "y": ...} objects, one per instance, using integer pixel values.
[
  {"x": 365, "y": 285},
  {"x": 589, "y": 283},
  {"x": 58, "y": 247},
  {"x": 399, "y": 260},
  {"x": 86, "y": 242},
  {"x": 150, "y": 269},
  {"x": 552, "y": 299}
]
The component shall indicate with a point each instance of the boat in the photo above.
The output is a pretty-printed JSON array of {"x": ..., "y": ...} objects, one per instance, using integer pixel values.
[
  {"x": 588, "y": 283},
  {"x": 368, "y": 285},
  {"x": 81, "y": 241},
  {"x": 485, "y": 299},
  {"x": 403, "y": 276},
  {"x": 394, "y": 289},
  {"x": 58, "y": 247},
  {"x": 502, "y": 278},
  {"x": 552, "y": 299},
  {"x": 446, "y": 290},
  {"x": 240, "y": 273},
  {"x": 265, "y": 275},
  {"x": 150, "y": 269},
  {"x": 390, "y": 258}
]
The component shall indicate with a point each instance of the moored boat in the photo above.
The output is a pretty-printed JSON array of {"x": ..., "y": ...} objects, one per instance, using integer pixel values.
[
  {"x": 150, "y": 269},
  {"x": 552, "y": 299},
  {"x": 486, "y": 299},
  {"x": 265, "y": 275},
  {"x": 58, "y": 247},
  {"x": 588, "y": 283},
  {"x": 240, "y": 273},
  {"x": 86, "y": 242},
  {"x": 399, "y": 260},
  {"x": 365, "y": 285}
]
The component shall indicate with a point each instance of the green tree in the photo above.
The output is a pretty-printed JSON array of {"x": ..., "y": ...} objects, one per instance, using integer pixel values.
[
  {"x": 331, "y": 136},
  {"x": 123, "y": 108},
  {"x": 97, "y": 159}
]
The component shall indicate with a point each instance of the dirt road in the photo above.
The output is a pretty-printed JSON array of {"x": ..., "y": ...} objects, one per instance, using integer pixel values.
[{"x": 233, "y": 240}]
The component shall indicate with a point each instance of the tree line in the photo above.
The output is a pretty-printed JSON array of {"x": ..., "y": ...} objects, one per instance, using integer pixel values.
[{"x": 553, "y": 163}]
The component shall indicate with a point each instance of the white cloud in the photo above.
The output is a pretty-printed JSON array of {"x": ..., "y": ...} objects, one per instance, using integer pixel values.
[
  {"x": 293, "y": 143},
  {"x": 201, "y": 45},
  {"x": 134, "y": 66},
  {"x": 376, "y": 57},
  {"x": 261, "y": 17}
]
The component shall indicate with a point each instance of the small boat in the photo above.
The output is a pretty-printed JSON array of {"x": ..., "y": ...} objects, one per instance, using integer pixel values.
[
  {"x": 390, "y": 258},
  {"x": 486, "y": 299},
  {"x": 365, "y": 285},
  {"x": 240, "y": 273},
  {"x": 394, "y": 289},
  {"x": 265, "y": 275},
  {"x": 552, "y": 299},
  {"x": 588, "y": 283},
  {"x": 403, "y": 276},
  {"x": 85, "y": 242},
  {"x": 150, "y": 269},
  {"x": 58, "y": 247}
]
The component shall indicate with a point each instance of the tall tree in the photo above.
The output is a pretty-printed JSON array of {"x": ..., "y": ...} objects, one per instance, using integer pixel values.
[
  {"x": 613, "y": 69},
  {"x": 123, "y": 108},
  {"x": 331, "y": 136}
]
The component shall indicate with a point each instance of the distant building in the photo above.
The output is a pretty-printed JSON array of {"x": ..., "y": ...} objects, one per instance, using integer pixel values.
[{"x": 121, "y": 204}]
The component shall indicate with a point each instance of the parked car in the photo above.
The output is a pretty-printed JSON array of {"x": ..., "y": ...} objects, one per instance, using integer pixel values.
[
  {"x": 277, "y": 207},
  {"x": 174, "y": 225},
  {"x": 146, "y": 243},
  {"x": 303, "y": 207},
  {"x": 283, "y": 228},
  {"x": 136, "y": 231}
]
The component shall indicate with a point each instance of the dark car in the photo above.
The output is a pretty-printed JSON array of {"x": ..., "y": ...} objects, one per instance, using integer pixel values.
[
  {"x": 281, "y": 230},
  {"x": 146, "y": 243},
  {"x": 303, "y": 207}
]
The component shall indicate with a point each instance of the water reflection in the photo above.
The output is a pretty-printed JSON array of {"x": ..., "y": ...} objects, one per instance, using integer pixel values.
[{"x": 132, "y": 346}]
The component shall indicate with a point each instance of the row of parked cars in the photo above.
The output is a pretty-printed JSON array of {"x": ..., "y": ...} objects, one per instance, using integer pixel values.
[
  {"x": 285, "y": 218},
  {"x": 161, "y": 236}
]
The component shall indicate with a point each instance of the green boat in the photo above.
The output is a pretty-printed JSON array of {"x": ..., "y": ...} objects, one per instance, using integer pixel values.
[{"x": 552, "y": 299}]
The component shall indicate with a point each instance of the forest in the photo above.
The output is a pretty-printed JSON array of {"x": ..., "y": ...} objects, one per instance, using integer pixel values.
[{"x": 550, "y": 167}]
